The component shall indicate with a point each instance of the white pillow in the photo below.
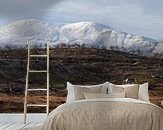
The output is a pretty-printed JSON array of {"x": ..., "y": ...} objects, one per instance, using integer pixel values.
[
  {"x": 143, "y": 90},
  {"x": 103, "y": 95},
  {"x": 71, "y": 93}
]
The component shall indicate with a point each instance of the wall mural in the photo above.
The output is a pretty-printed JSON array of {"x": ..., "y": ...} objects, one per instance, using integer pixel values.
[{"x": 91, "y": 42}]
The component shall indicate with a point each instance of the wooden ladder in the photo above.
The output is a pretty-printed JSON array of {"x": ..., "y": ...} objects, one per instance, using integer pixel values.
[{"x": 26, "y": 105}]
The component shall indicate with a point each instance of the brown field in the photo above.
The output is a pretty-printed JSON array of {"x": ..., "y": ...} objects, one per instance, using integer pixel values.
[
  {"x": 15, "y": 103},
  {"x": 78, "y": 65}
]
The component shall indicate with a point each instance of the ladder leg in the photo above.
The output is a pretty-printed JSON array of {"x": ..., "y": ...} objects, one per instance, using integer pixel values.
[
  {"x": 25, "y": 107},
  {"x": 47, "y": 109},
  {"x": 26, "y": 88}
]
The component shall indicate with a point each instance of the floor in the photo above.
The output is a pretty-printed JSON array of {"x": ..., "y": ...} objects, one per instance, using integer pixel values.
[
  {"x": 18, "y": 126},
  {"x": 15, "y": 121}
]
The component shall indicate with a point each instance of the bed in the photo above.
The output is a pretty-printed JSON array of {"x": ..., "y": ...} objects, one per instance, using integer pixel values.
[{"x": 104, "y": 107}]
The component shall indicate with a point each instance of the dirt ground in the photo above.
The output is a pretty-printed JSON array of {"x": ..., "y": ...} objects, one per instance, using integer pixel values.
[{"x": 10, "y": 103}]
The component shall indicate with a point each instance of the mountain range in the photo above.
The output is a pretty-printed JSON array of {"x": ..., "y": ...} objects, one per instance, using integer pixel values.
[{"x": 87, "y": 33}]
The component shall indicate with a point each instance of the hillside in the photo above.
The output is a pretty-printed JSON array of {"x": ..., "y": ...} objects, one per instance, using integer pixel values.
[
  {"x": 78, "y": 65},
  {"x": 159, "y": 48},
  {"x": 88, "y": 33}
]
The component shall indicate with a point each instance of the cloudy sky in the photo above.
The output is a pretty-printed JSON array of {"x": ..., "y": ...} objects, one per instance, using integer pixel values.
[{"x": 142, "y": 17}]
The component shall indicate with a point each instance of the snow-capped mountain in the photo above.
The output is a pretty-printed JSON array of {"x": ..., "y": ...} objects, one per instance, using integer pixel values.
[
  {"x": 103, "y": 36},
  {"x": 19, "y": 32},
  {"x": 89, "y": 33}
]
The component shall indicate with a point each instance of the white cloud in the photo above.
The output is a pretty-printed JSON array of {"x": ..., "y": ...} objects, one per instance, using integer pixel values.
[
  {"x": 125, "y": 15},
  {"x": 19, "y": 9},
  {"x": 143, "y": 17}
]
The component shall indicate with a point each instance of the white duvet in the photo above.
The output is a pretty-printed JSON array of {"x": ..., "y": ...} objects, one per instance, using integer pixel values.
[{"x": 105, "y": 114}]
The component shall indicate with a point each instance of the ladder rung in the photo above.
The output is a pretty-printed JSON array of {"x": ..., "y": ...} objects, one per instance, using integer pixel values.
[
  {"x": 38, "y": 71},
  {"x": 37, "y": 89},
  {"x": 36, "y": 105},
  {"x": 38, "y": 55}
]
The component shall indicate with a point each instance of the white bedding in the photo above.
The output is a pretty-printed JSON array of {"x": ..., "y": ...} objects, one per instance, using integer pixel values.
[{"x": 106, "y": 114}]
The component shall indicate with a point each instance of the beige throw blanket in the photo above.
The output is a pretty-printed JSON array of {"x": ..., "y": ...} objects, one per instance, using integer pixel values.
[{"x": 106, "y": 114}]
